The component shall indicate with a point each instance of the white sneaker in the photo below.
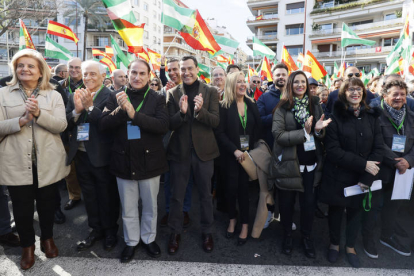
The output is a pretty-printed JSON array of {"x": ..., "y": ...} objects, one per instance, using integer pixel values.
[
  {"x": 293, "y": 226},
  {"x": 270, "y": 218}
]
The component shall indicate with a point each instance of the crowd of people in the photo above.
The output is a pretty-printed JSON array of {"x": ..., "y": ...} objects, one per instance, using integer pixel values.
[{"x": 114, "y": 141}]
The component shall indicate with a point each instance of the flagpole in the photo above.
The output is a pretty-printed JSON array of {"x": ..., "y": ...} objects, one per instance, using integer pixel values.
[
  {"x": 170, "y": 44},
  {"x": 7, "y": 43}
]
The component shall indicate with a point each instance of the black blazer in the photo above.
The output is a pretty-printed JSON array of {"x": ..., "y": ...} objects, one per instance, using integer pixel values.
[
  {"x": 141, "y": 158},
  {"x": 98, "y": 146},
  {"x": 228, "y": 133}
]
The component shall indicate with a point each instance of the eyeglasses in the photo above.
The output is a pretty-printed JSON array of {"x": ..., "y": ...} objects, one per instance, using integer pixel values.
[
  {"x": 218, "y": 75},
  {"x": 256, "y": 81},
  {"x": 154, "y": 84},
  {"x": 356, "y": 89},
  {"x": 75, "y": 67},
  {"x": 356, "y": 75}
]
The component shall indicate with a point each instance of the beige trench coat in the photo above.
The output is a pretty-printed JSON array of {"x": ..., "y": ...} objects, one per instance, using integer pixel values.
[{"x": 16, "y": 148}]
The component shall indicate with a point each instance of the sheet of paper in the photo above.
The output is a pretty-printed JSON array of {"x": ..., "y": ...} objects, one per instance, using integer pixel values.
[
  {"x": 403, "y": 185},
  {"x": 356, "y": 190}
]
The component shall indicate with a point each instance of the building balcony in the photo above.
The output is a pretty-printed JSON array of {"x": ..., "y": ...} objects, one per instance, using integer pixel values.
[
  {"x": 270, "y": 19},
  {"x": 363, "y": 28},
  {"x": 263, "y": 38},
  {"x": 340, "y": 6},
  {"x": 260, "y": 3},
  {"x": 173, "y": 45},
  {"x": 364, "y": 53}
]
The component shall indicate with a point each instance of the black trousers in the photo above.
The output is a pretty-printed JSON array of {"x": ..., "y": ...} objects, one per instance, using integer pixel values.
[
  {"x": 237, "y": 190},
  {"x": 23, "y": 199},
  {"x": 307, "y": 205},
  {"x": 100, "y": 194},
  {"x": 382, "y": 205},
  {"x": 180, "y": 173},
  {"x": 353, "y": 223}
]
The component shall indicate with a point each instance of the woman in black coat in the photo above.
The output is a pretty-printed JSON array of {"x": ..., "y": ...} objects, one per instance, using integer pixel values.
[
  {"x": 396, "y": 119},
  {"x": 297, "y": 161},
  {"x": 354, "y": 146},
  {"x": 238, "y": 131}
]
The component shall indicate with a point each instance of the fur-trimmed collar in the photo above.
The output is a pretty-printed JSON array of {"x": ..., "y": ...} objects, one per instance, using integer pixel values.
[{"x": 340, "y": 110}]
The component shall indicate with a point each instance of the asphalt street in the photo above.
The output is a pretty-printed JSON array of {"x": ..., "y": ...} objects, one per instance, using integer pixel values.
[{"x": 256, "y": 257}]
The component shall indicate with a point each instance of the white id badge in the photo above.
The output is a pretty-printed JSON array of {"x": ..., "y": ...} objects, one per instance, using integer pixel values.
[
  {"x": 398, "y": 143},
  {"x": 83, "y": 132},
  {"x": 244, "y": 142},
  {"x": 310, "y": 145}
]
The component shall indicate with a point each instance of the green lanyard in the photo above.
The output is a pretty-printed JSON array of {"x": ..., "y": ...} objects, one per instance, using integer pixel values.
[
  {"x": 364, "y": 202},
  {"x": 140, "y": 105},
  {"x": 244, "y": 120},
  {"x": 70, "y": 90},
  {"x": 393, "y": 124},
  {"x": 96, "y": 95}
]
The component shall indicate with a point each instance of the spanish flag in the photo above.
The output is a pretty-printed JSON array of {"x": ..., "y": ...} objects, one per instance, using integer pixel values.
[
  {"x": 200, "y": 37},
  {"x": 288, "y": 60},
  {"x": 341, "y": 70},
  {"x": 25, "y": 40},
  {"x": 109, "y": 51},
  {"x": 231, "y": 61},
  {"x": 260, "y": 17},
  {"x": 131, "y": 34},
  {"x": 155, "y": 59},
  {"x": 108, "y": 62},
  {"x": 143, "y": 55},
  {"x": 57, "y": 29},
  {"x": 265, "y": 71},
  {"x": 222, "y": 59},
  {"x": 96, "y": 52},
  {"x": 316, "y": 69}
]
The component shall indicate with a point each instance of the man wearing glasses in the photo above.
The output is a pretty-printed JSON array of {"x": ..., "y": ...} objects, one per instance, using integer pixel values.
[
  {"x": 350, "y": 72},
  {"x": 219, "y": 80},
  {"x": 255, "y": 82},
  {"x": 73, "y": 82},
  {"x": 119, "y": 80}
]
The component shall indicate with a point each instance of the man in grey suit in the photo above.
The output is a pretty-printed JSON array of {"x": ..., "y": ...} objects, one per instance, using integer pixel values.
[
  {"x": 90, "y": 148},
  {"x": 193, "y": 109}
]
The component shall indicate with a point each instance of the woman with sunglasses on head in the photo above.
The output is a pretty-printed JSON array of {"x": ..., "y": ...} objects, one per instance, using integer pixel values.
[
  {"x": 156, "y": 85},
  {"x": 354, "y": 148},
  {"x": 298, "y": 128}
]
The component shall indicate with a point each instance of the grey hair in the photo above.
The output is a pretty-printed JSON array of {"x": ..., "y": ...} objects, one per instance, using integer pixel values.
[
  {"x": 102, "y": 69},
  {"x": 59, "y": 68}
]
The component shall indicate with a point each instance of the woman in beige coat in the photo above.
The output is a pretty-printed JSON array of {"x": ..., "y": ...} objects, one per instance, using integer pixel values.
[{"x": 32, "y": 156}]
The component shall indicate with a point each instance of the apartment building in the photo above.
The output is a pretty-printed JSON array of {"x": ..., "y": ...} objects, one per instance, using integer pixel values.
[
  {"x": 378, "y": 20},
  {"x": 279, "y": 23}
]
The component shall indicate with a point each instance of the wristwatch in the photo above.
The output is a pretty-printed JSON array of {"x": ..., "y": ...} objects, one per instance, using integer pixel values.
[{"x": 90, "y": 108}]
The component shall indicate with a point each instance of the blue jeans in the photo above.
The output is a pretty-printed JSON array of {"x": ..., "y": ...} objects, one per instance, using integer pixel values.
[
  {"x": 188, "y": 191},
  {"x": 4, "y": 212}
]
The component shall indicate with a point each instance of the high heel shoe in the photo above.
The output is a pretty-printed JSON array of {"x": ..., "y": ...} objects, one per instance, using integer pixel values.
[
  {"x": 229, "y": 235},
  {"x": 241, "y": 241}
]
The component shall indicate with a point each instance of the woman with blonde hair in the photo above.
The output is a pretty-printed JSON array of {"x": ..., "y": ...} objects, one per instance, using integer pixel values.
[
  {"x": 32, "y": 115},
  {"x": 238, "y": 131}
]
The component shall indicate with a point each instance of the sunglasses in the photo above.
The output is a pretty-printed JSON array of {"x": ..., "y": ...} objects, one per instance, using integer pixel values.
[
  {"x": 153, "y": 84},
  {"x": 256, "y": 81},
  {"x": 356, "y": 75}
]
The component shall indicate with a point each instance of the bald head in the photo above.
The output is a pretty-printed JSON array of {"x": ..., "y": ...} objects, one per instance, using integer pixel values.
[
  {"x": 118, "y": 78},
  {"x": 351, "y": 70},
  {"x": 75, "y": 71}
]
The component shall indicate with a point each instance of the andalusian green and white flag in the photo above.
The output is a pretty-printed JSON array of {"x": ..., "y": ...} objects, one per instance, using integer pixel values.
[
  {"x": 365, "y": 77},
  {"x": 120, "y": 9},
  {"x": 119, "y": 55},
  {"x": 177, "y": 17},
  {"x": 349, "y": 37},
  {"x": 260, "y": 49},
  {"x": 393, "y": 67},
  {"x": 328, "y": 82},
  {"x": 227, "y": 45},
  {"x": 336, "y": 69},
  {"x": 55, "y": 50},
  {"x": 374, "y": 72},
  {"x": 403, "y": 46}
]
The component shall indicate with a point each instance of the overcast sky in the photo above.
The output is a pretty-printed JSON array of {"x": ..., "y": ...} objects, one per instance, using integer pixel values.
[{"x": 229, "y": 13}]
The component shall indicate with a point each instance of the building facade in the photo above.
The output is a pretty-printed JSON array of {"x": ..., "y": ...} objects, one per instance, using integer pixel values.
[{"x": 317, "y": 25}]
